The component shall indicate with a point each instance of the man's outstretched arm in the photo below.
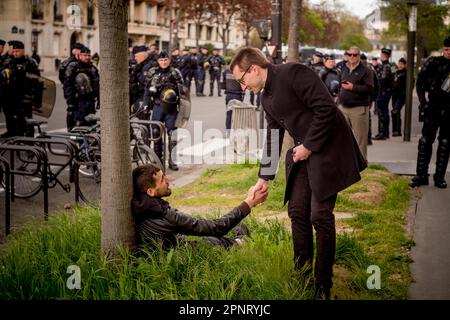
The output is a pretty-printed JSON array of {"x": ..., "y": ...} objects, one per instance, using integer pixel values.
[{"x": 189, "y": 225}]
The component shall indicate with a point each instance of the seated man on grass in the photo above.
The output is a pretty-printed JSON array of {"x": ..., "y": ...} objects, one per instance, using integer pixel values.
[{"x": 157, "y": 222}]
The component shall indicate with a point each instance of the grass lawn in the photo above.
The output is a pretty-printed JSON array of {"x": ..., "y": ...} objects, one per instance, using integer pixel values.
[{"x": 370, "y": 218}]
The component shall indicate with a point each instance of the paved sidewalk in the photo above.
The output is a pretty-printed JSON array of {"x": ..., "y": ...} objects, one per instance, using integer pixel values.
[{"x": 428, "y": 219}]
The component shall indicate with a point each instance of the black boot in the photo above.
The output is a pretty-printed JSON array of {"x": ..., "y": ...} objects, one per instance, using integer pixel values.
[
  {"x": 423, "y": 160},
  {"x": 172, "y": 143},
  {"x": 442, "y": 156},
  {"x": 396, "y": 123},
  {"x": 380, "y": 135}
]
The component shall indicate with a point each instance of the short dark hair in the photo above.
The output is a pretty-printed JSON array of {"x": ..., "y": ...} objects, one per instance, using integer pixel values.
[
  {"x": 144, "y": 177},
  {"x": 247, "y": 56},
  {"x": 402, "y": 60}
]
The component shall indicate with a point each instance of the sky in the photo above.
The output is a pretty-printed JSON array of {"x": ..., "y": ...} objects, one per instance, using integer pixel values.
[{"x": 360, "y": 8}]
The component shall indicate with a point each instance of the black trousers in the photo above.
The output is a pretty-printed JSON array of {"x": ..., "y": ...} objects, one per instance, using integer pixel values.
[{"x": 306, "y": 212}]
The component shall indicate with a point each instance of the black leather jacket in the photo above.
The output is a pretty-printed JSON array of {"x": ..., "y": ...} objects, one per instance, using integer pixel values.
[{"x": 157, "y": 221}]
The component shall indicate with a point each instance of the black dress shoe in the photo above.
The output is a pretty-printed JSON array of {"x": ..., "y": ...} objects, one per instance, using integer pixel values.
[
  {"x": 379, "y": 137},
  {"x": 322, "y": 293},
  {"x": 418, "y": 181},
  {"x": 439, "y": 182},
  {"x": 396, "y": 134}
]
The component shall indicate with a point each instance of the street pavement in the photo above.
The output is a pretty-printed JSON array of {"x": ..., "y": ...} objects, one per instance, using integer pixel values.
[{"x": 428, "y": 217}]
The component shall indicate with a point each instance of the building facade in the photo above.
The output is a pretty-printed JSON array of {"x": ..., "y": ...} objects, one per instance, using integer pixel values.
[{"x": 51, "y": 27}]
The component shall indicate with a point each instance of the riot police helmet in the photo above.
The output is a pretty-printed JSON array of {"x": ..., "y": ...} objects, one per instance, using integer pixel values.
[{"x": 169, "y": 96}]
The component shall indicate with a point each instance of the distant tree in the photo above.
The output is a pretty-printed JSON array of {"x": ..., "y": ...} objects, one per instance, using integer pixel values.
[
  {"x": 223, "y": 13},
  {"x": 431, "y": 27},
  {"x": 251, "y": 10},
  {"x": 351, "y": 33},
  {"x": 293, "y": 38},
  {"x": 200, "y": 12}
]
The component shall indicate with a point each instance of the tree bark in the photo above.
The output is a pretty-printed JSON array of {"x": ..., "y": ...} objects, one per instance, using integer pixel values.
[
  {"x": 293, "y": 31},
  {"x": 117, "y": 220}
]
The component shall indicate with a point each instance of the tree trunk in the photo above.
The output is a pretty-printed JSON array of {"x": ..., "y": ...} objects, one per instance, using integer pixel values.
[
  {"x": 117, "y": 220},
  {"x": 293, "y": 31}
]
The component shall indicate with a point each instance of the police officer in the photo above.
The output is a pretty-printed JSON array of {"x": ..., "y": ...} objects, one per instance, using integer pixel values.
[
  {"x": 434, "y": 80},
  {"x": 317, "y": 62},
  {"x": 19, "y": 89},
  {"x": 233, "y": 90},
  {"x": 175, "y": 58},
  {"x": 2, "y": 45},
  {"x": 69, "y": 64},
  {"x": 216, "y": 62},
  {"x": 330, "y": 75},
  {"x": 385, "y": 85},
  {"x": 184, "y": 66},
  {"x": 153, "y": 54},
  {"x": 203, "y": 65},
  {"x": 373, "y": 96},
  {"x": 162, "y": 95},
  {"x": 398, "y": 97},
  {"x": 81, "y": 88},
  {"x": 137, "y": 79},
  {"x": 75, "y": 55},
  {"x": 195, "y": 72}
]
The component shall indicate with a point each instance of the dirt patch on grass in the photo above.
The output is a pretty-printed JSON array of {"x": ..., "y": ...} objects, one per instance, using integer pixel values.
[{"x": 373, "y": 194}]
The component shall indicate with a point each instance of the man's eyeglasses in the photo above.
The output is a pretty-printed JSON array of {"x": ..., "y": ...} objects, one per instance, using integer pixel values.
[
  {"x": 241, "y": 80},
  {"x": 352, "y": 54}
]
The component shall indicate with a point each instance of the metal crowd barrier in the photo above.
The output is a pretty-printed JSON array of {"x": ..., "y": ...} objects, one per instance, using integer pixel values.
[{"x": 40, "y": 162}]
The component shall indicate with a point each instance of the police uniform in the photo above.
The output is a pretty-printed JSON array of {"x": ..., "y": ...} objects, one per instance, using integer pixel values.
[
  {"x": 184, "y": 65},
  {"x": 19, "y": 90},
  {"x": 434, "y": 80},
  {"x": 81, "y": 88},
  {"x": 216, "y": 62},
  {"x": 385, "y": 85},
  {"x": 137, "y": 82},
  {"x": 202, "y": 66},
  {"x": 195, "y": 73},
  {"x": 2, "y": 58},
  {"x": 398, "y": 101},
  {"x": 318, "y": 67},
  {"x": 162, "y": 95},
  {"x": 233, "y": 90}
]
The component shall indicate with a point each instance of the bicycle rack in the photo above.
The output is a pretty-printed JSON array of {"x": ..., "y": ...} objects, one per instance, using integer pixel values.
[
  {"x": 4, "y": 168},
  {"x": 49, "y": 147},
  {"x": 162, "y": 136},
  {"x": 41, "y": 163}
]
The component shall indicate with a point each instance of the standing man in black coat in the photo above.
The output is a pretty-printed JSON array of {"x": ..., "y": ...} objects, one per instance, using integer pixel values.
[{"x": 325, "y": 160}]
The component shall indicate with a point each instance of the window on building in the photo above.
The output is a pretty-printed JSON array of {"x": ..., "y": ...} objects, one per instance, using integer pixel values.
[
  {"x": 37, "y": 9},
  {"x": 57, "y": 13},
  {"x": 35, "y": 43},
  {"x": 90, "y": 14},
  {"x": 149, "y": 15},
  {"x": 56, "y": 43},
  {"x": 209, "y": 31},
  {"x": 189, "y": 31}
]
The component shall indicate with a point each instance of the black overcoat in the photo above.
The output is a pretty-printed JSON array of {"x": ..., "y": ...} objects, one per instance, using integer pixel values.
[{"x": 296, "y": 100}]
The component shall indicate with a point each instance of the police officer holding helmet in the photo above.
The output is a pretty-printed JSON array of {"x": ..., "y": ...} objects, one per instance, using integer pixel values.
[
  {"x": 81, "y": 88},
  {"x": 433, "y": 90},
  {"x": 162, "y": 95}
]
